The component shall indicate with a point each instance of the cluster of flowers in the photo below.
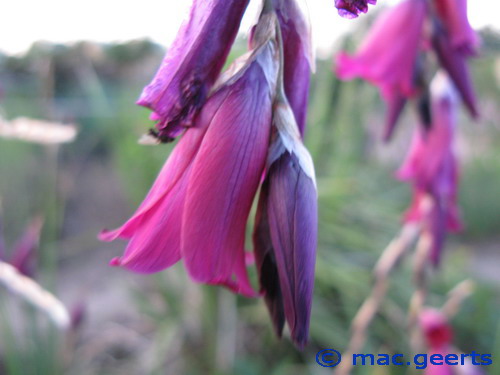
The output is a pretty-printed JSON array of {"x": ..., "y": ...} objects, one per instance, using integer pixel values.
[
  {"x": 395, "y": 57},
  {"x": 241, "y": 129}
]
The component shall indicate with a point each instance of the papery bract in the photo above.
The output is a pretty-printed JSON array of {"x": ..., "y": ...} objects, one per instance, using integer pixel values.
[
  {"x": 388, "y": 56},
  {"x": 352, "y": 8},
  {"x": 192, "y": 64}
]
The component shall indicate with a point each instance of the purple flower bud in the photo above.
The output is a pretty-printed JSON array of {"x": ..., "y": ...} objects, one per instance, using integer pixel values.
[
  {"x": 285, "y": 235},
  {"x": 298, "y": 57},
  {"x": 352, "y": 8},
  {"x": 192, "y": 64}
]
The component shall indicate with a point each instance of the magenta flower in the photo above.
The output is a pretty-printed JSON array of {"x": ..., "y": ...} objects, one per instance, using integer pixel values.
[
  {"x": 298, "y": 57},
  {"x": 438, "y": 336},
  {"x": 436, "y": 329},
  {"x": 192, "y": 65},
  {"x": 453, "y": 15},
  {"x": 198, "y": 207},
  {"x": 286, "y": 229},
  {"x": 352, "y": 8},
  {"x": 432, "y": 169},
  {"x": 455, "y": 64},
  {"x": 387, "y": 57}
]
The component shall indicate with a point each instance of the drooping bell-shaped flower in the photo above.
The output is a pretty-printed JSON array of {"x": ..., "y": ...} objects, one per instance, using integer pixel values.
[
  {"x": 352, "y": 8},
  {"x": 431, "y": 168},
  {"x": 455, "y": 63},
  {"x": 298, "y": 56},
  {"x": 192, "y": 64},
  {"x": 453, "y": 15},
  {"x": 286, "y": 228},
  {"x": 388, "y": 56},
  {"x": 438, "y": 336},
  {"x": 437, "y": 331},
  {"x": 198, "y": 207}
]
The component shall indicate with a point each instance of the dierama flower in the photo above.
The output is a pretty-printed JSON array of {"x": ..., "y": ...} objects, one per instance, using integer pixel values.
[
  {"x": 432, "y": 168},
  {"x": 438, "y": 336},
  {"x": 387, "y": 57},
  {"x": 455, "y": 64},
  {"x": 453, "y": 14},
  {"x": 198, "y": 207},
  {"x": 245, "y": 133},
  {"x": 352, "y": 8},
  {"x": 437, "y": 331},
  {"x": 192, "y": 65},
  {"x": 286, "y": 228},
  {"x": 391, "y": 56}
]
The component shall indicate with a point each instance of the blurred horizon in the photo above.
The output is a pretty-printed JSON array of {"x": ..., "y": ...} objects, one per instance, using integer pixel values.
[{"x": 160, "y": 22}]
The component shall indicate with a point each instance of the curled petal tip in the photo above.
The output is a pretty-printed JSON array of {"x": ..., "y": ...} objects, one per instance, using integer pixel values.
[
  {"x": 115, "y": 262},
  {"x": 107, "y": 235}
]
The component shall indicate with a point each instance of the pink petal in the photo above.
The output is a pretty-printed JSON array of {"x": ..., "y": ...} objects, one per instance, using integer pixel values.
[
  {"x": 453, "y": 14},
  {"x": 224, "y": 179},
  {"x": 388, "y": 54}
]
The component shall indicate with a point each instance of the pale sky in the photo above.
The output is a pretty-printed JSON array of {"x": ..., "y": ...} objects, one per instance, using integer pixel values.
[{"x": 24, "y": 21}]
